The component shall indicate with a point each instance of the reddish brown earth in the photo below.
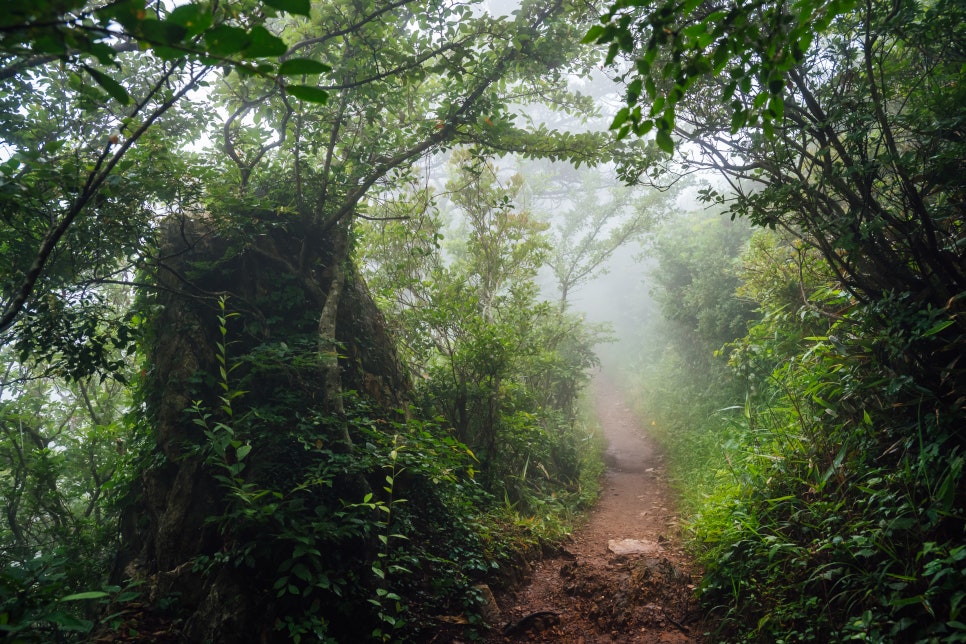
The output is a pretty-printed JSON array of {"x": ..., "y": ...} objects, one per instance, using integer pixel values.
[{"x": 588, "y": 593}]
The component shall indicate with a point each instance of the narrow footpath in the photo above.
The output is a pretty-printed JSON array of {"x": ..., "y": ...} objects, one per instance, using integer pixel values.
[{"x": 622, "y": 577}]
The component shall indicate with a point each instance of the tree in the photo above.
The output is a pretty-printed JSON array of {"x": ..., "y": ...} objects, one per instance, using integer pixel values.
[
  {"x": 260, "y": 408},
  {"x": 72, "y": 151},
  {"x": 867, "y": 116},
  {"x": 675, "y": 46},
  {"x": 695, "y": 282},
  {"x": 63, "y": 450},
  {"x": 859, "y": 153},
  {"x": 271, "y": 390},
  {"x": 502, "y": 366},
  {"x": 599, "y": 218},
  {"x": 70, "y": 32},
  {"x": 849, "y": 140}
]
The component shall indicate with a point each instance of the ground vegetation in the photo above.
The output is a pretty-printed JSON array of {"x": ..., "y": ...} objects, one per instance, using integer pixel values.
[{"x": 838, "y": 512}]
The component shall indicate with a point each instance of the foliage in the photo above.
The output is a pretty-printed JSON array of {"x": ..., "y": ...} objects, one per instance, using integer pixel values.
[
  {"x": 827, "y": 505},
  {"x": 379, "y": 566},
  {"x": 38, "y": 605},
  {"x": 35, "y": 33},
  {"x": 844, "y": 517},
  {"x": 591, "y": 217},
  {"x": 502, "y": 368},
  {"x": 675, "y": 46},
  {"x": 68, "y": 143},
  {"x": 695, "y": 280},
  {"x": 888, "y": 167},
  {"x": 858, "y": 163},
  {"x": 62, "y": 446},
  {"x": 848, "y": 520},
  {"x": 86, "y": 173},
  {"x": 301, "y": 122},
  {"x": 679, "y": 371}
]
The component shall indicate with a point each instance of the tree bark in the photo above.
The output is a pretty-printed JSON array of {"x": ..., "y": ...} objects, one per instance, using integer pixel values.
[{"x": 166, "y": 527}]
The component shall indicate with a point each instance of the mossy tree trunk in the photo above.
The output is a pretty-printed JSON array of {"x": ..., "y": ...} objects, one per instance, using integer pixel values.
[{"x": 295, "y": 343}]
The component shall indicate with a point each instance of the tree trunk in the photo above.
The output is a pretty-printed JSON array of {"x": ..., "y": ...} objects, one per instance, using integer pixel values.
[{"x": 169, "y": 539}]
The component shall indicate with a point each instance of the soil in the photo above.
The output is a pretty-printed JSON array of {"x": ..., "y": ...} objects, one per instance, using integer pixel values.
[{"x": 623, "y": 576}]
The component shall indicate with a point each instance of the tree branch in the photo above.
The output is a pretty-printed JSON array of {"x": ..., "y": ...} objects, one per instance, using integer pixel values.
[{"x": 105, "y": 164}]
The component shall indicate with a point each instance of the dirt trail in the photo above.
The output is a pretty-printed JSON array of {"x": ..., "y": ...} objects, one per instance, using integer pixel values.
[{"x": 595, "y": 591}]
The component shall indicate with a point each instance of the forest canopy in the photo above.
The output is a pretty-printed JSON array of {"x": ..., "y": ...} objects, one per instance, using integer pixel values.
[
  {"x": 290, "y": 344},
  {"x": 204, "y": 411}
]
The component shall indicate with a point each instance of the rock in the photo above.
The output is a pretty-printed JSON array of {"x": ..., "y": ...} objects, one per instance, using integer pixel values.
[
  {"x": 633, "y": 547},
  {"x": 489, "y": 610}
]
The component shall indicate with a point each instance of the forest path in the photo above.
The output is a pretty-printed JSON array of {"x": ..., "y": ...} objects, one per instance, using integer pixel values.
[{"x": 622, "y": 577}]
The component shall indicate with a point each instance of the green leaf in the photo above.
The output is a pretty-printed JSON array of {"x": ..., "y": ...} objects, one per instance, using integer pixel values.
[
  {"x": 195, "y": 18},
  {"x": 300, "y": 7},
  {"x": 104, "y": 53},
  {"x": 907, "y": 601},
  {"x": 242, "y": 451},
  {"x": 300, "y": 571},
  {"x": 168, "y": 53},
  {"x": 688, "y": 6},
  {"x": 50, "y": 44},
  {"x": 738, "y": 120},
  {"x": 622, "y": 115},
  {"x": 776, "y": 107},
  {"x": 162, "y": 32},
  {"x": 127, "y": 14},
  {"x": 69, "y": 622},
  {"x": 644, "y": 127},
  {"x": 937, "y": 328},
  {"x": 634, "y": 90},
  {"x": 308, "y": 93},
  {"x": 111, "y": 86},
  {"x": 225, "y": 39},
  {"x": 692, "y": 32},
  {"x": 593, "y": 34},
  {"x": 664, "y": 141},
  {"x": 297, "y": 66},
  {"x": 91, "y": 594},
  {"x": 264, "y": 43}
]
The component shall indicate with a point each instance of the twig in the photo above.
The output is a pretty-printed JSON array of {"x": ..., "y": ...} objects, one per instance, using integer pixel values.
[{"x": 674, "y": 621}]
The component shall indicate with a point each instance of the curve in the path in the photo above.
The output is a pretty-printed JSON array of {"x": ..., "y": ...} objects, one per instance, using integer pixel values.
[{"x": 595, "y": 591}]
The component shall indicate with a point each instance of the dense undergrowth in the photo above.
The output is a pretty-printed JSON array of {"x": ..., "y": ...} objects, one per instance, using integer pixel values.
[
  {"x": 373, "y": 522},
  {"x": 820, "y": 462},
  {"x": 381, "y": 541},
  {"x": 375, "y": 540}
]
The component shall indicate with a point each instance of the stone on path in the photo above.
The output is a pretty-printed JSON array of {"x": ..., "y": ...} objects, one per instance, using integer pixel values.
[{"x": 633, "y": 547}]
